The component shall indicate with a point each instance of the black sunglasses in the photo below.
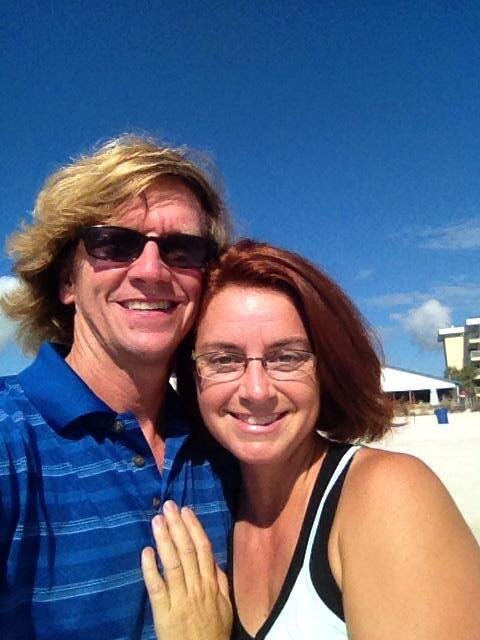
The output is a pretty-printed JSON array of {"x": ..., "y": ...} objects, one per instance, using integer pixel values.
[{"x": 119, "y": 244}]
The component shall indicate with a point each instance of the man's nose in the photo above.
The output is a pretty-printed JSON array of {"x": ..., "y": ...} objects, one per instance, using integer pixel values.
[
  {"x": 149, "y": 265},
  {"x": 255, "y": 384}
]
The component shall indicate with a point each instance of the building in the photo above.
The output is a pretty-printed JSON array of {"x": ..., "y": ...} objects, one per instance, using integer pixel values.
[
  {"x": 410, "y": 386},
  {"x": 461, "y": 345}
]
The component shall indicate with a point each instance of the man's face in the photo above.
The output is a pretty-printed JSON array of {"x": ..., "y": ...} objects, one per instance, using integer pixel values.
[{"x": 138, "y": 312}]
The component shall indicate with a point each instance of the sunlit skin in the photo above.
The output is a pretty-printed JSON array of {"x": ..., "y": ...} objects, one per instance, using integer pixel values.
[
  {"x": 122, "y": 350},
  {"x": 254, "y": 322},
  {"x": 404, "y": 560},
  {"x": 107, "y": 326}
]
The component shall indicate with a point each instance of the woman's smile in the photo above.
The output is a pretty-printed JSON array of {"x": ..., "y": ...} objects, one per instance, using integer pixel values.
[{"x": 269, "y": 410}]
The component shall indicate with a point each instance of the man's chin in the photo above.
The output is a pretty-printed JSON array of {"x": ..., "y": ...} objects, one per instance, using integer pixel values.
[{"x": 142, "y": 355}]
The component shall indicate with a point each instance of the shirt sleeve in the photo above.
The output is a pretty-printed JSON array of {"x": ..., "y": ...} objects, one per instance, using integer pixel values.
[{"x": 9, "y": 493}]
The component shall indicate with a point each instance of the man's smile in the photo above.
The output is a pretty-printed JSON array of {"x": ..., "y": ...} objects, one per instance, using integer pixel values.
[{"x": 148, "y": 305}]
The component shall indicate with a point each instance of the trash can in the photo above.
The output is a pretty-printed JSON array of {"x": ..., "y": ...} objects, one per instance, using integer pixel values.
[{"x": 442, "y": 415}]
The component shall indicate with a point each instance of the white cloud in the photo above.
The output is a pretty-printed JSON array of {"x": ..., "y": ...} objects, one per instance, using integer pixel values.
[
  {"x": 396, "y": 299},
  {"x": 455, "y": 236},
  {"x": 420, "y": 314},
  {"x": 7, "y": 284},
  {"x": 423, "y": 323},
  {"x": 7, "y": 330},
  {"x": 459, "y": 236},
  {"x": 363, "y": 274},
  {"x": 466, "y": 293},
  {"x": 7, "y": 327}
]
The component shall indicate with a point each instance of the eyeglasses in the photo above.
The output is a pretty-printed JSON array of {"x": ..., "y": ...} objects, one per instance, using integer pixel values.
[
  {"x": 284, "y": 364},
  {"x": 122, "y": 245}
]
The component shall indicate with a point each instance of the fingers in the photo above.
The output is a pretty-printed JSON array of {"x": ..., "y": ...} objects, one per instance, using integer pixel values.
[
  {"x": 185, "y": 551},
  {"x": 182, "y": 539},
  {"x": 193, "y": 593},
  {"x": 222, "y": 582},
  {"x": 201, "y": 543},
  {"x": 156, "y": 588},
  {"x": 172, "y": 569},
  {"x": 176, "y": 549}
]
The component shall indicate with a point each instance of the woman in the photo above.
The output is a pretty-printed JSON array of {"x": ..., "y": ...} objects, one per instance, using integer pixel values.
[{"x": 332, "y": 540}]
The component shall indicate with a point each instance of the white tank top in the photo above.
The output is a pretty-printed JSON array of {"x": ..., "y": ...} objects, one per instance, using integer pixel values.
[{"x": 301, "y": 611}]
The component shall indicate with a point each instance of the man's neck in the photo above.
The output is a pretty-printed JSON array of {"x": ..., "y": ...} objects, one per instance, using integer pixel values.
[{"x": 139, "y": 388}]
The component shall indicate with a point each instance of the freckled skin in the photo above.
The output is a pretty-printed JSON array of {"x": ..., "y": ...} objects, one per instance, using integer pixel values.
[{"x": 253, "y": 321}]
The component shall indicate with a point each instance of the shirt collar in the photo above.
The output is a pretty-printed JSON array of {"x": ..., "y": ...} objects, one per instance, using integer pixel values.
[
  {"x": 62, "y": 397},
  {"x": 177, "y": 422},
  {"x": 59, "y": 394}
]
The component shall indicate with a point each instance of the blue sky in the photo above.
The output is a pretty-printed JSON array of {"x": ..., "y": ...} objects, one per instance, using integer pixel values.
[{"x": 347, "y": 131}]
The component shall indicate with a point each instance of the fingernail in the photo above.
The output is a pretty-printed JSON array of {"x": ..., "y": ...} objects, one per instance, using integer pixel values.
[
  {"x": 148, "y": 553},
  {"x": 158, "y": 522},
  {"x": 169, "y": 506}
]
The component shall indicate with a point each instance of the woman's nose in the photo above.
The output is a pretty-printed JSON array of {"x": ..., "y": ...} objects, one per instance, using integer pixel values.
[{"x": 255, "y": 383}]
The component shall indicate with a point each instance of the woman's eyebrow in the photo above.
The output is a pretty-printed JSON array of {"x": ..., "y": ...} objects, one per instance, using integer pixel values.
[
  {"x": 219, "y": 346},
  {"x": 287, "y": 342},
  {"x": 290, "y": 341}
]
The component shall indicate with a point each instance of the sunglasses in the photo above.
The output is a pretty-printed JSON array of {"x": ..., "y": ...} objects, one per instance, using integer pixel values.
[{"x": 119, "y": 244}]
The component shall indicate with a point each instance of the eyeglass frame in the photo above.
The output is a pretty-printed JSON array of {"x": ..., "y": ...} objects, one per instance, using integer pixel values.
[
  {"x": 211, "y": 247},
  {"x": 263, "y": 359}
]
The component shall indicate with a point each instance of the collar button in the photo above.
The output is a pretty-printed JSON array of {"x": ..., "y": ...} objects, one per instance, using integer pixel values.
[
  {"x": 138, "y": 460},
  {"x": 118, "y": 426}
]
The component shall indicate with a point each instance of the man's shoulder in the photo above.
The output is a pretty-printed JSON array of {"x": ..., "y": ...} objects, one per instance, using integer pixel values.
[
  {"x": 11, "y": 392},
  {"x": 15, "y": 407}
]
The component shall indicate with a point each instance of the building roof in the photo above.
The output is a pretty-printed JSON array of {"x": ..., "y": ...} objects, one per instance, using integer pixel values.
[
  {"x": 472, "y": 322},
  {"x": 394, "y": 379},
  {"x": 450, "y": 331}
]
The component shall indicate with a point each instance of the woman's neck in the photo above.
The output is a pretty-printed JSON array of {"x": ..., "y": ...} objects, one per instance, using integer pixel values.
[{"x": 268, "y": 488}]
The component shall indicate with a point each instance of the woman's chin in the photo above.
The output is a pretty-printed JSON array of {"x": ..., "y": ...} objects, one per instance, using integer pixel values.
[{"x": 256, "y": 453}]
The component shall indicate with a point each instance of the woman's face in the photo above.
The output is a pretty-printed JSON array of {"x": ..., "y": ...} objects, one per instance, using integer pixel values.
[{"x": 259, "y": 419}]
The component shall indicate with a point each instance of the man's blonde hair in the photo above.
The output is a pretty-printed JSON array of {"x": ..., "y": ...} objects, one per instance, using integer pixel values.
[{"x": 88, "y": 191}]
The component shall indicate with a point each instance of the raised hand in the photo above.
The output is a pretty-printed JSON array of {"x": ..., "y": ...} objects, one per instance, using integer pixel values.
[{"x": 190, "y": 601}]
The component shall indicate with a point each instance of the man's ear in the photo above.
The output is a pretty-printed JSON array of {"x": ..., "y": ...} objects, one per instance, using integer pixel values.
[{"x": 66, "y": 291}]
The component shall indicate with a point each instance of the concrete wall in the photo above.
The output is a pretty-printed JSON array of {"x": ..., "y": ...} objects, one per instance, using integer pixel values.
[{"x": 454, "y": 351}]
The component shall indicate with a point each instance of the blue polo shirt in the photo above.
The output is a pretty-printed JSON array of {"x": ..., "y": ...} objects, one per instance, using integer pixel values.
[{"x": 78, "y": 489}]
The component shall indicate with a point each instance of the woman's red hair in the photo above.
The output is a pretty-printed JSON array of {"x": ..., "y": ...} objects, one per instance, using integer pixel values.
[{"x": 353, "y": 406}]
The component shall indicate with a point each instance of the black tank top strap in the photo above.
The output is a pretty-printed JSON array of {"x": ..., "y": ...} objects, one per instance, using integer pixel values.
[{"x": 326, "y": 587}]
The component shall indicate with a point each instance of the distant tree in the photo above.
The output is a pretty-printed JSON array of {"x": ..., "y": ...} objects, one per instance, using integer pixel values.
[{"x": 465, "y": 377}]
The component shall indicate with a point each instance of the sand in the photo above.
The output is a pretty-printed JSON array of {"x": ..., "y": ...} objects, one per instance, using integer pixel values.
[{"x": 451, "y": 450}]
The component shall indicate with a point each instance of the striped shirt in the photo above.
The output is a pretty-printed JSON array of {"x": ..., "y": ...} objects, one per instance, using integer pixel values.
[{"x": 78, "y": 489}]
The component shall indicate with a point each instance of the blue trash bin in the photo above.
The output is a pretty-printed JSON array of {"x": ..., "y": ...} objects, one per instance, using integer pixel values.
[{"x": 442, "y": 415}]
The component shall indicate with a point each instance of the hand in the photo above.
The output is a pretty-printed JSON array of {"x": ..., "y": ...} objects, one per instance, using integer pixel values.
[{"x": 190, "y": 601}]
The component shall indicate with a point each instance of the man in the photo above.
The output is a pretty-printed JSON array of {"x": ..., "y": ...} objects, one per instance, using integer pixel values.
[{"x": 92, "y": 439}]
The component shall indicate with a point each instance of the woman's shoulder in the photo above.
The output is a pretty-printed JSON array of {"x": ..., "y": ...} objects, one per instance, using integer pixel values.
[
  {"x": 398, "y": 490},
  {"x": 379, "y": 472},
  {"x": 401, "y": 548},
  {"x": 370, "y": 460}
]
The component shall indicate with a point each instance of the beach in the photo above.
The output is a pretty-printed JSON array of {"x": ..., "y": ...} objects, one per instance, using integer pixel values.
[{"x": 451, "y": 450}]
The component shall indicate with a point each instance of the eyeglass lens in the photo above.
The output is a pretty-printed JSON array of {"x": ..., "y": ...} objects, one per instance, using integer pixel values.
[
  {"x": 284, "y": 364},
  {"x": 119, "y": 244}
]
